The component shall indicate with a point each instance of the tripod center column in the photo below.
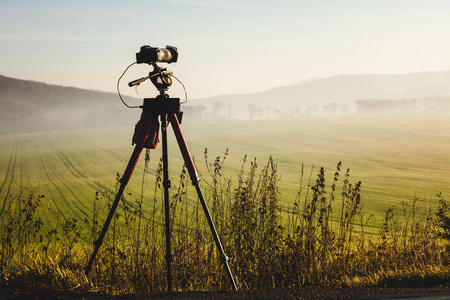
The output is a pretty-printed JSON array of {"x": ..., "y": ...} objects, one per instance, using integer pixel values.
[{"x": 166, "y": 184}]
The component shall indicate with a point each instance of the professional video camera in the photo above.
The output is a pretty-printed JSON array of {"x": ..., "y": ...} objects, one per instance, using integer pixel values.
[{"x": 150, "y": 55}]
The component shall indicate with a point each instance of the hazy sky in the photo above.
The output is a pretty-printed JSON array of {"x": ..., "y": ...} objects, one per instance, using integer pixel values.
[{"x": 225, "y": 46}]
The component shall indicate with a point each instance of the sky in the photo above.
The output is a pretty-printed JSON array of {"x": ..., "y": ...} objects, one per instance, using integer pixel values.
[{"x": 225, "y": 46}]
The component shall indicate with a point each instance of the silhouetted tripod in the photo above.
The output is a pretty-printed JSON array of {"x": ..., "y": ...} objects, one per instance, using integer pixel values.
[{"x": 146, "y": 136}]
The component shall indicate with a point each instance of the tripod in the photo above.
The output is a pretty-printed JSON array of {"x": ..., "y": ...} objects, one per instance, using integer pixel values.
[{"x": 146, "y": 135}]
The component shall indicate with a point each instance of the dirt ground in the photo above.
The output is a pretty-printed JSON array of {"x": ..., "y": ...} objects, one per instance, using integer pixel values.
[
  {"x": 291, "y": 293},
  {"x": 313, "y": 293}
]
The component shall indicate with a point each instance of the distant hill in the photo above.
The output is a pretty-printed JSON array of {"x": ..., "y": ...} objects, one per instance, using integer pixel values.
[
  {"x": 28, "y": 106},
  {"x": 313, "y": 95}
]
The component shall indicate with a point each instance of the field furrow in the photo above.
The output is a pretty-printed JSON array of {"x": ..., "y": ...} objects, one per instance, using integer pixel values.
[
  {"x": 89, "y": 178},
  {"x": 67, "y": 162},
  {"x": 53, "y": 187},
  {"x": 115, "y": 156},
  {"x": 78, "y": 173},
  {"x": 9, "y": 176}
]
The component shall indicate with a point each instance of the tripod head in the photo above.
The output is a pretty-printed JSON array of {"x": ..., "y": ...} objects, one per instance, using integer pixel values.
[
  {"x": 162, "y": 80},
  {"x": 160, "y": 77}
]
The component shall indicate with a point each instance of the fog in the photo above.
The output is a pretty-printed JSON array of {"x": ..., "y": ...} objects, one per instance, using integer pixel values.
[
  {"x": 29, "y": 106},
  {"x": 337, "y": 96},
  {"x": 32, "y": 106}
]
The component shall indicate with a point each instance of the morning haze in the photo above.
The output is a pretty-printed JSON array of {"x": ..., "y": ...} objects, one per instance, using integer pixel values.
[{"x": 34, "y": 106}]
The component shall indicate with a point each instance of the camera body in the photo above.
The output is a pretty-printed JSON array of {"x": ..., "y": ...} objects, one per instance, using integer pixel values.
[{"x": 150, "y": 55}]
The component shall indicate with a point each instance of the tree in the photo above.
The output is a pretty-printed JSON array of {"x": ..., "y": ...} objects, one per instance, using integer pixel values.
[{"x": 217, "y": 109}]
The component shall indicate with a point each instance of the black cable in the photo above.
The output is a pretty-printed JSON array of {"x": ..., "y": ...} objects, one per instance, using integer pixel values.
[
  {"x": 118, "y": 89},
  {"x": 185, "y": 93}
]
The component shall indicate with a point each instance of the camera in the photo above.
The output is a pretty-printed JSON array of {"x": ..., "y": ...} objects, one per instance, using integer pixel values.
[{"x": 150, "y": 55}]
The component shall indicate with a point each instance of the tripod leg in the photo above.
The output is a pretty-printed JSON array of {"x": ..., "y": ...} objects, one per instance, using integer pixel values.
[
  {"x": 147, "y": 125},
  {"x": 195, "y": 181},
  {"x": 166, "y": 184}
]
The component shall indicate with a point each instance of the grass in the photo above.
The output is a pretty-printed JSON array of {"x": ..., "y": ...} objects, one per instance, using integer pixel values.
[
  {"x": 275, "y": 194},
  {"x": 396, "y": 157}
]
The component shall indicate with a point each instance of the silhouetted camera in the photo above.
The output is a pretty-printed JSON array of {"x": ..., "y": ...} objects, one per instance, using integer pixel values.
[{"x": 150, "y": 55}]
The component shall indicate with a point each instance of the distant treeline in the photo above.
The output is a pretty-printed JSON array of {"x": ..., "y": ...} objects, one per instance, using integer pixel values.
[
  {"x": 405, "y": 106},
  {"x": 221, "y": 111}
]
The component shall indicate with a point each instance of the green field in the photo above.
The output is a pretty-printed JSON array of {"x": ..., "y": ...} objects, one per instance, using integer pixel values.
[{"x": 397, "y": 158}]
